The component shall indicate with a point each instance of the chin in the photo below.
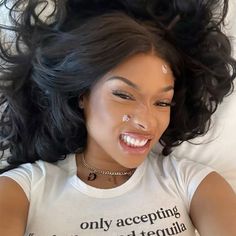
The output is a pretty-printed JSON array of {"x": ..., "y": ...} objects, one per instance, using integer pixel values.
[{"x": 132, "y": 164}]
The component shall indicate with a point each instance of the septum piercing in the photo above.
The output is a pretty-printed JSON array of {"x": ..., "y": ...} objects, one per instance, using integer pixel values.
[
  {"x": 164, "y": 68},
  {"x": 126, "y": 118}
]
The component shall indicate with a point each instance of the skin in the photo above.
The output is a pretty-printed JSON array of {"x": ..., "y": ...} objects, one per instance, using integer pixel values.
[
  {"x": 213, "y": 209},
  {"x": 14, "y": 207},
  {"x": 146, "y": 102}
]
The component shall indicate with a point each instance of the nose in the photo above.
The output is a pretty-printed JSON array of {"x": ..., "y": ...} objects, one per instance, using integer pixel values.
[
  {"x": 141, "y": 124},
  {"x": 144, "y": 121}
]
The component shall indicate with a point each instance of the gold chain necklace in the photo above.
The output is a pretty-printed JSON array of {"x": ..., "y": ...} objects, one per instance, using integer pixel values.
[{"x": 94, "y": 172}]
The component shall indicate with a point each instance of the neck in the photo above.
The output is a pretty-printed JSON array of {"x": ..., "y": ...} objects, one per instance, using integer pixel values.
[
  {"x": 99, "y": 159},
  {"x": 101, "y": 178}
]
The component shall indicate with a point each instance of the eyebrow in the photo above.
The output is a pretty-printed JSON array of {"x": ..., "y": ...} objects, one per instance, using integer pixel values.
[{"x": 131, "y": 84}]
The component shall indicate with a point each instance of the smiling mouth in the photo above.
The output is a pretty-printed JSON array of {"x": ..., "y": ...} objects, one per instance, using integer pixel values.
[{"x": 133, "y": 142}]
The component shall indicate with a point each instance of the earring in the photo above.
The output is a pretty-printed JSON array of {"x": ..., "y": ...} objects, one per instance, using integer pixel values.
[
  {"x": 81, "y": 104},
  {"x": 126, "y": 118}
]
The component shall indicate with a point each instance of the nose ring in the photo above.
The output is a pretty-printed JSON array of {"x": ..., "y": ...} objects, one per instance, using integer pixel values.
[{"x": 126, "y": 118}]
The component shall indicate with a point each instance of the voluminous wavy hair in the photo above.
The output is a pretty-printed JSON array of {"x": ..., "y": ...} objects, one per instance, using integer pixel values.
[{"x": 58, "y": 49}]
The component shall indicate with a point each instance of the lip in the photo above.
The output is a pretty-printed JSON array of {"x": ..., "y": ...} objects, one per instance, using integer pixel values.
[
  {"x": 137, "y": 135},
  {"x": 136, "y": 150}
]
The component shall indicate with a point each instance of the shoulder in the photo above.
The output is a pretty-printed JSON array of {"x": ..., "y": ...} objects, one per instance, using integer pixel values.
[
  {"x": 181, "y": 167},
  {"x": 213, "y": 208},
  {"x": 14, "y": 207},
  {"x": 182, "y": 174},
  {"x": 29, "y": 175}
]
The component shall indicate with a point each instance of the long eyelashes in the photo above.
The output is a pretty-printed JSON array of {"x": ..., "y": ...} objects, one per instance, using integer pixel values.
[
  {"x": 123, "y": 95},
  {"x": 127, "y": 96}
]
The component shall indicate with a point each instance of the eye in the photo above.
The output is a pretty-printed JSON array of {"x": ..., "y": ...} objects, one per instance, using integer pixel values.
[
  {"x": 123, "y": 95},
  {"x": 164, "y": 104}
]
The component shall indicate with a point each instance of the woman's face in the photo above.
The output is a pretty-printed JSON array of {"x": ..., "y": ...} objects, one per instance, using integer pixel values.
[{"x": 128, "y": 110}]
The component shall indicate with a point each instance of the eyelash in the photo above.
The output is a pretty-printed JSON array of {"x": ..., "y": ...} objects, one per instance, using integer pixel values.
[
  {"x": 123, "y": 95},
  {"x": 126, "y": 96}
]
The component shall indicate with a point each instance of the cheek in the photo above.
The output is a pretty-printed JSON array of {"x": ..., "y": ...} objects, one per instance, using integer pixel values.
[
  {"x": 163, "y": 121},
  {"x": 102, "y": 115}
]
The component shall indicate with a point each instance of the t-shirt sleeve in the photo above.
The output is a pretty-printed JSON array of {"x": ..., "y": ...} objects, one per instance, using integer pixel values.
[
  {"x": 187, "y": 175},
  {"x": 22, "y": 175}
]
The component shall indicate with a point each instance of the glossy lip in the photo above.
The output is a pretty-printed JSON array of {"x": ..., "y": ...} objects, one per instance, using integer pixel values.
[
  {"x": 136, "y": 150},
  {"x": 137, "y": 135}
]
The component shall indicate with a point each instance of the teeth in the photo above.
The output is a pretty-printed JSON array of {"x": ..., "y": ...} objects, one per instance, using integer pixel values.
[
  {"x": 137, "y": 143},
  {"x": 128, "y": 139},
  {"x": 133, "y": 142}
]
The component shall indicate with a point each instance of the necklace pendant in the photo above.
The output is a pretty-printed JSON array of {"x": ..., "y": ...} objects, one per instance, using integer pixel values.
[{"x": 92, "y": 176}]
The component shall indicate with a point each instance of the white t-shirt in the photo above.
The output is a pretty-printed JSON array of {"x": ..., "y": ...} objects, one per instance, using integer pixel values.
[{"x": 154, "y": 201}]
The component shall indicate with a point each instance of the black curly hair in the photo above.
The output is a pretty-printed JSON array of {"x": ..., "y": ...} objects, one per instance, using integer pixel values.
[{"x": 61, "y": 48}]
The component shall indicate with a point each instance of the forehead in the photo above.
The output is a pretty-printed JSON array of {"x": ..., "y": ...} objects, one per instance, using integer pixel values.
[{"x": 145, "y": 70}]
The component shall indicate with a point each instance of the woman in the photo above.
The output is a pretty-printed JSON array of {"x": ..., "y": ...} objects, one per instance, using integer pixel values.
[{"x": 88, "y": 90}]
